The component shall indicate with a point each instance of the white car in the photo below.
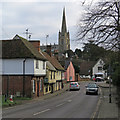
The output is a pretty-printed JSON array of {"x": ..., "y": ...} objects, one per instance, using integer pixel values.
[{"x": 74, "y": 86}]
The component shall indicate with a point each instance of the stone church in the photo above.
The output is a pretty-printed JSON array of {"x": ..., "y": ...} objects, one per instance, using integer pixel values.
[{"x": 63, "y": 40}]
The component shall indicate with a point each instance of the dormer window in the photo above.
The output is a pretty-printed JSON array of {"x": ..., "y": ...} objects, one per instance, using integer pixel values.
[{"x": 101, "y": 62}]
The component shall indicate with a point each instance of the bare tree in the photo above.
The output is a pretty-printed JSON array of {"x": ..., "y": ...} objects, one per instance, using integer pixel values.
[{"x": 101, "y": 23}]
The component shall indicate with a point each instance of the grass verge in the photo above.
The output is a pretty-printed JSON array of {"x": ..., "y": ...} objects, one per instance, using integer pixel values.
[{"x": 16, "y": 101}]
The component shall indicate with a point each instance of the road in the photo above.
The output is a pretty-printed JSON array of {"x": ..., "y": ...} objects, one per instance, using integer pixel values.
[{"x": 70, "y": 104}]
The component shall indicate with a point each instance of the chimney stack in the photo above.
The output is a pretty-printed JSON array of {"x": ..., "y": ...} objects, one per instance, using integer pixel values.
[
  {"x": 48, "y": 50},
  {"x": 36, "y": 44}
]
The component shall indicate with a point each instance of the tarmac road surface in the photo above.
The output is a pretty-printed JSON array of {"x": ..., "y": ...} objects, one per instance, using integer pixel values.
[{"x": 70, "y": 104}]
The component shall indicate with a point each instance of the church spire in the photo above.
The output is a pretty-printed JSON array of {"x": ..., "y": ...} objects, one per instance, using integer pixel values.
[{"x": 64, "y": 28}]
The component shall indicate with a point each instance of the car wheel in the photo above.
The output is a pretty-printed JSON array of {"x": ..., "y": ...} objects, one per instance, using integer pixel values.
[{"x": 86, "y": 93}]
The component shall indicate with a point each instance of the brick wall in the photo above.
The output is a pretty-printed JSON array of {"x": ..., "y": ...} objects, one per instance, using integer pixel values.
[
  {"x": 13, "y": 84},
  {"x": 36, "y": 44}
]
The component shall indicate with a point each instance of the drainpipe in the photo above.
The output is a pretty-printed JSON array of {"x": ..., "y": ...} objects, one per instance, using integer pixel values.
[
  {"x": 7, "y": 85},
  {"x": 24, "y": 77}
]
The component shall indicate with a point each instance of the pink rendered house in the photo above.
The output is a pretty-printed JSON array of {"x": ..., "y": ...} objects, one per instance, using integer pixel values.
[{"x": 70, "y": 71}]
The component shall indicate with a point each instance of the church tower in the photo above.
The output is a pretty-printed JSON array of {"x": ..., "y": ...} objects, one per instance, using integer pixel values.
[{"x": 64, "y": 39}]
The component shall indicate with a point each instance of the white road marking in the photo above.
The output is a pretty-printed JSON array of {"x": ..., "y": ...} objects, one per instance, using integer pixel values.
[
  {"x": 41, "y": 112},
  {"x": 69, "y": 100},
  {"x": 60, "y": 105},
  {"x": 9, "y": 108}
]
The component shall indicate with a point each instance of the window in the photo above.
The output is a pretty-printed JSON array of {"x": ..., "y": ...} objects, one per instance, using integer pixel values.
[
  {"x": 37, "y": 64},
  {"x": 56, "y": 85},
  {"x": 59, "y": 73},
  {"x": 101, "y": 62},
  {"x": 99, "y": 68},
  {"x": 49, "y": 88},
  {"x": 54, "y": 75},
  {"x": 43, "y": 65},
  {"x": 33, "y": 86},
  {"x": 46, "y": 88},
  {"x": 41, "y": 88},
  {"x": 51, "y": 75}
]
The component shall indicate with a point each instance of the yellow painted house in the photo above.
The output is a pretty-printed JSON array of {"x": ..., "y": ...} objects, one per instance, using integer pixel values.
[
  {"x": 49, "y": 81},
  {"x": 53, "y": 79}
]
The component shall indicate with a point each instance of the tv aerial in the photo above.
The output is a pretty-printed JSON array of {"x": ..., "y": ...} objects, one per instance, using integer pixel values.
[{"x": 28, "y": 34}]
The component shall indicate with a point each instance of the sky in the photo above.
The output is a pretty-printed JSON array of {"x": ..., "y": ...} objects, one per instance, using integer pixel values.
[{"x": 41, "y": 18}]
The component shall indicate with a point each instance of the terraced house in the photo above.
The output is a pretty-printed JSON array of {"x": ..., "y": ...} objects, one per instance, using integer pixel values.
[
  {"x": 55, "y": 72},
  {"x": 50, "y": 79},
  {"x": 23, "y": 68}
]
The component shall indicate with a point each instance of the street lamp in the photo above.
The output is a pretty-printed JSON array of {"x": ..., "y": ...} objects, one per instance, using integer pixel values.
[
  {"x": 109, "y": 78},
  {"x": 109, "y": 89}
]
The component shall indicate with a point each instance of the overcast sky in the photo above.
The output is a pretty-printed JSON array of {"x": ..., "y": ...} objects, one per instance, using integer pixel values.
[{"x": 41, "y": 18}]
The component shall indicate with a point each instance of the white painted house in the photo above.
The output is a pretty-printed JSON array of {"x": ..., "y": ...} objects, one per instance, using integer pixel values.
[
  {"x": 98, "y": 69},
  {"x": 15, "y": 67},
  {"x": 23, "y": 68},
  {"x": 90, "y": 69}
]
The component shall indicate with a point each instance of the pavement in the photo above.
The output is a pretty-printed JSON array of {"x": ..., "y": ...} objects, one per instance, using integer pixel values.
[
  {"x": 47, "y": 96},
  {"x": 107, "y": 108}
]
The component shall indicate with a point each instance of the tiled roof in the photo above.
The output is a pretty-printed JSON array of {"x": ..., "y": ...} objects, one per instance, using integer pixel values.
[
  {"x": 53, "y": 61},
  {"x": 50, "y": 66},
  {"x": 19, "y": 47},
  {"x": 85, "y": 67},
  {"x": 65, "y": 63}
]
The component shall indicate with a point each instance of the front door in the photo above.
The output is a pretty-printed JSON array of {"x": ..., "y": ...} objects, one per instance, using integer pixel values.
[
  {"x": 52, "y": 88},
  {"x": 38, "y": 88}
]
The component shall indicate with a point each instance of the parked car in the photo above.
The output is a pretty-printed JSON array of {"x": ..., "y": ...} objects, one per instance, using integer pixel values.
[
  {"x": 92, "y": 88},
  {"x": 74, "y": 86},
  {"x": 99, "y": 79}
]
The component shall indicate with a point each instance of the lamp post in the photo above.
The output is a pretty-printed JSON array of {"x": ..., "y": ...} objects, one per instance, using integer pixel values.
[{"x": 109, "y": 84}]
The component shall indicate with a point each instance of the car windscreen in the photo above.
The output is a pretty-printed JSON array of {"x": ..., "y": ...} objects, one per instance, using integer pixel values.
[{"x": 92, "y": 85}]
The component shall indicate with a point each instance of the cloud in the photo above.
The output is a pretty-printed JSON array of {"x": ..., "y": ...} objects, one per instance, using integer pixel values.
[
  {"x": 40, "y": 17},
  {"x": 19, "y": 1}
]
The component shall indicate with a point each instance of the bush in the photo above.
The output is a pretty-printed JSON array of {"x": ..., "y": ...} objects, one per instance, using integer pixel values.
[{"x": 116, "y": 76}]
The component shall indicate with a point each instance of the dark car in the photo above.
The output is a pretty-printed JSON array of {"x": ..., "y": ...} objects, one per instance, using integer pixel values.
[{"x": 92, "y": 88}]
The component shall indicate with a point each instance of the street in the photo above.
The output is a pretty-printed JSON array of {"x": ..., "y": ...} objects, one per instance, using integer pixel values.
[{"x": 71, "y": 104}]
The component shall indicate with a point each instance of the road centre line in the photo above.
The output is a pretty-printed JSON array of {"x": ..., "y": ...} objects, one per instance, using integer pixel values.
[
  {"x": 41, "y": 112},
  {"x": 60, "y": 105},
  {"x": 69, "y": 100}
]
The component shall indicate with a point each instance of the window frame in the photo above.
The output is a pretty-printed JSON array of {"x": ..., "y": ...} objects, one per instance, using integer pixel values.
[{"x": 37, "y": 64}]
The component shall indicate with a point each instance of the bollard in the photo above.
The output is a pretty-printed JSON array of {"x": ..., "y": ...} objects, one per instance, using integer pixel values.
[{"x": 11, "y": 98}]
